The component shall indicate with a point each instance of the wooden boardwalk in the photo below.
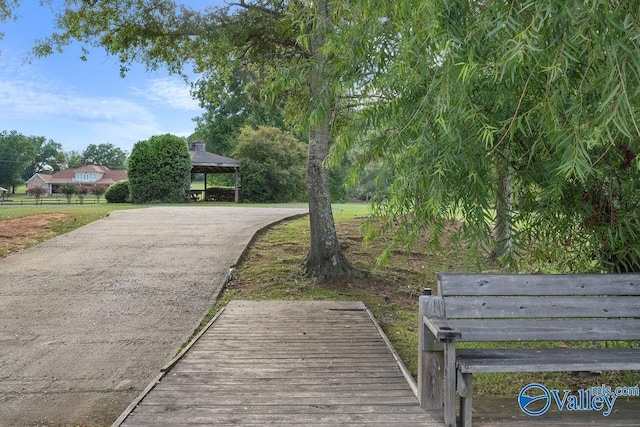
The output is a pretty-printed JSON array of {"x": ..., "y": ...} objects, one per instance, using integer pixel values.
[{"x": 284, "y": 363}]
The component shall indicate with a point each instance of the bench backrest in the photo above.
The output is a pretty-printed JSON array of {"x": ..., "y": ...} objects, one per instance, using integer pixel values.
[{"x": 538, "y": 307}]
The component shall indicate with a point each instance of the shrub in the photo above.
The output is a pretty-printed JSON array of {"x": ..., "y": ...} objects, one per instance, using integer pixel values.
[
  {"x": 98, "y": 191},
  {"x": 68, "y": 190},
  {"x": 160, "y": 170},
  {"x": 36, "y": 192},
  {"x": 82, "y": 191},
  {"x": 273, "y": 165},
  {"x": 118, "y": 192}
]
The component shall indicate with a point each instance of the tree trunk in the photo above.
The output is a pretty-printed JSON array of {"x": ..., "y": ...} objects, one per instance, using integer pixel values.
[
  {"x": 504, "y": 207},
  {"x": 325, "y": 260}
]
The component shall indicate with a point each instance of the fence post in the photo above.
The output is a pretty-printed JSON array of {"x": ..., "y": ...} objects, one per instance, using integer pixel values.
[{"x": 430, "y": 355}]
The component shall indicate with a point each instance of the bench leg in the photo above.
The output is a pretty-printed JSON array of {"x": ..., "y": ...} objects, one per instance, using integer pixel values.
[
  {"x": 449, "y": 385},
  {"x": 465, "y": 389}
]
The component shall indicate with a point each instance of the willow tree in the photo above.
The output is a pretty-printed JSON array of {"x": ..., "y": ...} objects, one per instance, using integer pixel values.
[
  {"x": 280, "y": 41},
  {"x": 466, "y": 96}
]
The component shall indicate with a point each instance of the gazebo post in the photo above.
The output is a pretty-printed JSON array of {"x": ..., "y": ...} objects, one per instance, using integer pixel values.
[
  {"x": 236, "y": 184},
  {"x": 204, "y": 195}
]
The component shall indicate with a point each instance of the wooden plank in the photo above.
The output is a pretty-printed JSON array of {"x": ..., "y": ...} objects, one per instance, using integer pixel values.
[
  {"x": 219, "y": 387},
  {"x": 548, "y": 360},
  {"x": 487, "y": 307},
  {"x": 343, "y": 380},
  {"x": 451, "y": 284},
  {"x": 203, "y": 416},
  {"x": 548, "y": 330},
  {"x": 201, "y": 397},
  {"x": 344, "y": 374},
  {"x": 284, "y": 363}
]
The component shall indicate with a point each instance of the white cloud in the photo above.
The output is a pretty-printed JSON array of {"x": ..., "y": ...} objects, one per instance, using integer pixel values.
[
  {"x": 171, "y": 92},
  {"x": 107, "y": 119},
  {"x": 71, "y": 112},
  {"x": 31, "y": 100}
]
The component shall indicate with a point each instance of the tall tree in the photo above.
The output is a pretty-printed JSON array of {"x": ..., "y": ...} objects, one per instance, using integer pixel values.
[
  {"x": 105, "y": 155},
  {"x": 325, "y": 257},
  {"x": 49, "y": 157},
  {"x": 283, "y": 39},
  {"x": 272, "y": 163},
  {"x": 230, "y": 109},
  {"x": 16, "y": 152},
  {"x": 73, "y": 159}
]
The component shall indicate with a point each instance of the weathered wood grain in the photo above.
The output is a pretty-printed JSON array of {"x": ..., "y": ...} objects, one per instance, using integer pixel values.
[
  {"x": 548, "y": 360},
  {"x": 537, "y": 284},
  {"x": 541, "y": 307},
  {"x": 548, "y": 330},
  {"x": 283, "y": 363}
]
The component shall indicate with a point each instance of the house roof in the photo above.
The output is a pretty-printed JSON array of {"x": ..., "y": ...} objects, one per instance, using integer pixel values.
[
  {"x": 93, "y": 168},
  {"x": 3, "y": 190},
  {"x": 44, "y": 176},
  {"x": 66, "y": 176}
]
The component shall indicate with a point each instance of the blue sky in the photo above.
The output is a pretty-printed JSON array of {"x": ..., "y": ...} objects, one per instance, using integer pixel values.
[{"x": 77, "y": 103}]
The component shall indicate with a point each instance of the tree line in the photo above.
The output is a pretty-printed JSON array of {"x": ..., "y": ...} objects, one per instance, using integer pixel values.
[
  {"x": 22, "y": 156},
  {"x": 514, "y": 124}
]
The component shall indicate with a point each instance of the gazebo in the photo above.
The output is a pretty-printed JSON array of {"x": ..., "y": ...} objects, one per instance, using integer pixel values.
[
  {"x": 205, "y": 163},
  {"x": 3, "y": 191}
]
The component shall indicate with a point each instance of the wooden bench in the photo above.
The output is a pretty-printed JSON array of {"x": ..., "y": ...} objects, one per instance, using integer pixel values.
[{"x": 519, "y": 308}]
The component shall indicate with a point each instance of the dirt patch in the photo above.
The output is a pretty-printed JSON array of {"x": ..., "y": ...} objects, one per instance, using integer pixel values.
[{"x": 19, "y": 233}]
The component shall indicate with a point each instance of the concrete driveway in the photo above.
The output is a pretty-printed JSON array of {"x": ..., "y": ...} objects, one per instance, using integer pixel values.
[{"x": 88, "y": 319}]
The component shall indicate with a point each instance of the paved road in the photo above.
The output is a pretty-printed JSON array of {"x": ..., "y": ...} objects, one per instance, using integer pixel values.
[{"x": 88, "y": 319}]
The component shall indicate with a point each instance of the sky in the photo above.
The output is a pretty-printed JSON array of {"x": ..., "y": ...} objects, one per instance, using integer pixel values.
[{"x": 77, "y": 103}]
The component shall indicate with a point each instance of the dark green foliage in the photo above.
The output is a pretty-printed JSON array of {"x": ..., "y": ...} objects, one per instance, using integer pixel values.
[
  {"x": 118, "y": 192},
  {"x": 220, "y": 194},
  {"x": 49, "y": 157},
  {"x": 105, "y": 155},
  {"x": 232, "y": 107},
  {"x": 16, "y": 151},
  {"x": 272, "y": 165},
  {"x": 160, "y": 170},
  {"x": 337, "y": 178}
]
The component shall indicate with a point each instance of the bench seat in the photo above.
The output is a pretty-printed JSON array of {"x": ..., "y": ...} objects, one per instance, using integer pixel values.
[{"x": 547, "y": 360}]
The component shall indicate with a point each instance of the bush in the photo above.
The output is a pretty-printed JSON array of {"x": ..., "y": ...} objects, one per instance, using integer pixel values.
[
  {"x": 98, "y": 191},
  {"x": 273, "y": 165},
  {"x": 118, "y": 192},
  {"x": 220, "y": 194},
  {"x": 82, "y": 191},
  {"x": 160, "y": 170},
  {"x": 68, "y": 190},
  {"x": 36, "y": 192}
]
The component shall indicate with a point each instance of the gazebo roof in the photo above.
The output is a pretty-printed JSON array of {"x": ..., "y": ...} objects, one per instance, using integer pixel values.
[{"x": 205, "y": 162}]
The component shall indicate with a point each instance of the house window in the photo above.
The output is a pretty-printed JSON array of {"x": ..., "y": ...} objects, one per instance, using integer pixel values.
[{"x": 86, "y": 177}]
